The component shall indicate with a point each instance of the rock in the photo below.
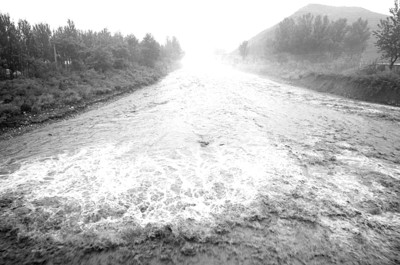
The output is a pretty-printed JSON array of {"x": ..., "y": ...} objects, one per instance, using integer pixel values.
[
  {"x": 203, "y": 143},
  {"x": 333, "y": 159}
]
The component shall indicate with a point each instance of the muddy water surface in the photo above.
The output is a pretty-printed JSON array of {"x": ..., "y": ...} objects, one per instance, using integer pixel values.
[{"x": 236, "y": 168}]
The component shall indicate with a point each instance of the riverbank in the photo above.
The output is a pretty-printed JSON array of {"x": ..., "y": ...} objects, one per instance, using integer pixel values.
[
  {"x": 30, "y": 103},
  {"x": 366, "y": 84}
]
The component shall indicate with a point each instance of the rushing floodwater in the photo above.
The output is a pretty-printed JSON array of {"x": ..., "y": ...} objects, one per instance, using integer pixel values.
[{"x": 199, "y": 143}]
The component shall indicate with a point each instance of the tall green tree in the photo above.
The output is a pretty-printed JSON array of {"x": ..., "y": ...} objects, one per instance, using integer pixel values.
[
  {"x": 284, "y": 35},
  {"x": 318, "y": 37},
  {"x": 42, "y": 38},
  {"x": 149, "y": 50},
  {"x": 119, "y": 51},
  {"x": 9, "y": 43},
  {"x": 388, "y": 35},
  {"x": 303, "y": 34},
  {"x": 100, "y": 58},
  {"x": 337, "y": 32},
  {"x": 32, "y": 49},
  {"x": 356, "y": 38},
  {"x": 172, "y": 49},
  {"x": 132, "y": 44},
  {"x": 27, "y": 41},
  {"x": 243, "y": 49},
  {"x": 68, "y": 43}
]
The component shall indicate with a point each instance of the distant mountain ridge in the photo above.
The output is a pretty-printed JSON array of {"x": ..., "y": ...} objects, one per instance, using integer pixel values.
[{"x": 257, "y": 43}]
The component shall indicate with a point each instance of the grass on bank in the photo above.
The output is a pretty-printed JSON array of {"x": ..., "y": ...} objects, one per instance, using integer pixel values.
[{"x": 31, "y": 96}]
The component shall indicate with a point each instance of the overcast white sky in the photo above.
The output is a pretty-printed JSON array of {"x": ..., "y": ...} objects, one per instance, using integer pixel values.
[{"x": 197, "y": 24}]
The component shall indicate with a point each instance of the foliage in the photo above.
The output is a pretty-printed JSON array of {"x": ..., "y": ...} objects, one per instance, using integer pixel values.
[
  {"x": 172, "y": 49},
  {"x": 38, "y": 51},
  {"x": 309, "y": 35},
  {"x": 243, "y": 49},
  {"x": 355, "y": 41},
  {"x": 149, "y": 50},
  {"x": 100, "y": 59},
  {"x": 70, "y": 67},
  {"x": 388, "y": 35},
  {"x": 19, "y": 98}
]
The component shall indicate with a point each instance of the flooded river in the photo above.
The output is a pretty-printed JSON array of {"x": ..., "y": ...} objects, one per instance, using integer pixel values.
[{"x": 274, "y": 172}]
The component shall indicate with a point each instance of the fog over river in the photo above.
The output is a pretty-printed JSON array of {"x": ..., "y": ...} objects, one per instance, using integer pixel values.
[{"x": 213, "y": 148}]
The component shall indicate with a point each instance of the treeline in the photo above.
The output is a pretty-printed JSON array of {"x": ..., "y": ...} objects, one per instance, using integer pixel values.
[
  {"x": 34, "y": 50},
  {"x": 309, "y": 35}
]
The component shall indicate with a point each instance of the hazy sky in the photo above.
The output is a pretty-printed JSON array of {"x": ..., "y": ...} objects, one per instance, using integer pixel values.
[{"x": 197, "y": 24}]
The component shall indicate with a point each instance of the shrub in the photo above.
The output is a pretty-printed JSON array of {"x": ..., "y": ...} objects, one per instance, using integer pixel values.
[
  {"x": 78, "y": 65},
  {"x": 120, "y": 64},
  {"x": 9, "y": 109},
  {"x": 102, "y": 90},
  {"x": 7, "y": 98},
  {"x": 100, "y": 59},
  {"x": 53, "y": 82},
  {"x": 41, "y": 69},
  {"x": 45, "y": 101},
  {"x": 84, "y": 91},
  {"x": 71, "y": 97},
  {"x": 18, "y": 100},
  {"x": 20, "y": 91},
  {"x": 36, "y": 108},
  {"x": 369, "y": 69},
  {"x": 25, "y": 107}
]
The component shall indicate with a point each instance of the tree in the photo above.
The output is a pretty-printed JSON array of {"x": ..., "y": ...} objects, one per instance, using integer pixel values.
[
  {"x": 42, "y": 37},
  {"x": 9, "y": 43},
  {"x": 337, "y": 32},
  {"x": 119, "y": 51},
  {"x": 100, "y": 59},
  {"x": 356, "y": 38},
  {"x": 243, "y": 49},
  {"x": 284, "y": 35},
  {"x": 132, "y": 44},
  {"x": 172, "y": 49},
  {"x": 149, "y": 50},
  {"x": 388, "y": 35},
  {"x": 320, "y": 36},
  {"x": 317, "y": 37},
  {"x": 35, "y": 50},
  {"x": 303, "y": 34},
  {"x": 68, "y": 43}
]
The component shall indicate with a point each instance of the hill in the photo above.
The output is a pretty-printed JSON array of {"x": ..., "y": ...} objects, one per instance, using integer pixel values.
[{"x": 257, "y": 43}]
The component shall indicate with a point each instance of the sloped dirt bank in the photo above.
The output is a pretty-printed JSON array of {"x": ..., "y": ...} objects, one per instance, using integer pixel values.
[
  {"x": 379, "y": 87},
  {"x": 367, "y": 88}
]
